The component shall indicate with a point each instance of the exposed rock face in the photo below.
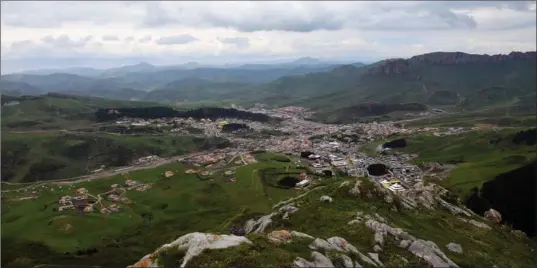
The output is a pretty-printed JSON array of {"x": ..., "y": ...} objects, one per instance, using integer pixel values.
[
  {"x": 341, "y": 245},
  {"x": 279, "y": 237},
  {"x": 430, "y": 252},
  {"x": 302, "y": 235},
  {"x": 347, "y": 262},
  {"x": 454, "y": 248},
  {"x": 426, "y": 250},
  {"x": 193, "y": 244},
  {"x": 379, "y": 238},
  {"x": 493, "y": 216},
  {"x": 259, "y": 225},
  {"x": 326, "y": 199},
  {"x": 475, "y": 223},
  {"x": 287, "y": 210},
  {"x": 453, "y": 209},
  {"x": 319, "y": 260},
  {"x": 399, "y": 66}
]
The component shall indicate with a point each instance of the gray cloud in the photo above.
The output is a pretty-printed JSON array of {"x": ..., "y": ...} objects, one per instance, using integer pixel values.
[
  {"x": 64, "y": 41},
  {"x": 110, "y": 38},
  {"x": 240, "y": 42},
  {"x": 176, "y": 39},
  {"x": 145, "y": 39}
]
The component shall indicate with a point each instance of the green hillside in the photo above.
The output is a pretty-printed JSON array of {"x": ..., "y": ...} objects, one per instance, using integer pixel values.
[
  {"x": 52, "y": 156},
  {"x": 56, "y": 111},
  {"x": 37, "y": 234}
]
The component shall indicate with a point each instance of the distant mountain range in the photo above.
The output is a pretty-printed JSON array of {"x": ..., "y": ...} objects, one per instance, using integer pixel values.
[{"x": 458, "y": 79}]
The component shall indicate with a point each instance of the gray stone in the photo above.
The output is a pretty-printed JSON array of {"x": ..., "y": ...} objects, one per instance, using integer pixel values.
[
  {"x": 301, "y": 235},
  {"x": 377, "y": 248},
  {"x": 319, "y": 260},
  {"x": 454, "y": 248},
  {"x": 259, "y": 225},
  {"x": 347, "y": 262},
  {"x": 426, "y": 251}
]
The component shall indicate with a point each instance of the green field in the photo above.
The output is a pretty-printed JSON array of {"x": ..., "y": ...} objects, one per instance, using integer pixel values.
[{"x": 171, "y": 208}]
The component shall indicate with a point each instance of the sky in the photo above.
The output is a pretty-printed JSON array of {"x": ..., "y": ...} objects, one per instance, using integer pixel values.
[{"x": 42, "y": 34}]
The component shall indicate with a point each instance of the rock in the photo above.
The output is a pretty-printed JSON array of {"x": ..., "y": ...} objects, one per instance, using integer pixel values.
[
  {"x": 287, "y": 210},
  {"x": 394, "y": 209},
  {"x": 475, "y": 223},
  {"x": 369, "y": 195},
  {"x": 454, "y": 248},
  {"x": 404, "y": 243},
  {"x": 493, "y": 215},
  {"x": 375, "y": 257},
  {"x": 326, "y": 199},
  {"x": 377, "y": 248},
  {"x": 453, "y": 209},
  {"x": 237, "y": 230},
  {"x": 386, "y": 229},
  {"x": 379, "y": 238},
  {"x": 279, "y": 237},
  {"x": 193, "y": 244},
  {"x": 259, "y": 225},
  {"x": 429, "y": 253},
  {"x": 319, "y": 260},
  {"x": 357, "y": 265},
  {"x": 341, "y": 244},
  {"x": 301, "y": 235},
  {"x": 355, "y": 190},
  {"x": 320, "y": 243},
  {"x": 388, "y": 199}
]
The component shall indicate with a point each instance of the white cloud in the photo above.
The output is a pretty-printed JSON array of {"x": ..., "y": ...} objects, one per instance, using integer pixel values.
[{"x": 176, "y": 32}]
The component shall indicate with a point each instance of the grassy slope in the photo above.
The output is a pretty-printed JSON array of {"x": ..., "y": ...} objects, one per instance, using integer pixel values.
[
  {"x": 481, "y": 160},
  {"x": 482, "y": 248},
  {"x": 48, "y": 112},
  {"x": 78, "y": 154},
  {"x": 173, "y": 207}
]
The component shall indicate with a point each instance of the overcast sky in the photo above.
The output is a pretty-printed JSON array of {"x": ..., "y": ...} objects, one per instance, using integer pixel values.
[{"x": 106, "y": 34}]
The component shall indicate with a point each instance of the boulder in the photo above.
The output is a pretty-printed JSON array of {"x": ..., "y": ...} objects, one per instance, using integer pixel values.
[
  {"x": 279, "y": 237},
  {"x": 326, "y": 199},
  {"x": 454, "y": 248},
  {"x": 493, "y": 215},
  {"x": 319, "y": 260},
  {"x": 193, "y": 244},
  {"x": 347, "y": 262},
  {"x": 377, "y": 248},
  {"x": 475, "y": 223},
  {"x": 453, "y": 209}
]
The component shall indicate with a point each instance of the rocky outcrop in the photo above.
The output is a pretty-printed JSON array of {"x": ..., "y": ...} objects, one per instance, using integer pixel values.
[
  {"x": 475, "y": 223},
  {"x": 375, "y": 258},
  {"x": 429, "y": 251},
  {"x": 399, "y": 66},
  {"x": 453, "y": 209},
  {"x": 493, "y": 215},
  {"x": 193, "y": 244},
  {"x": 319, "y": 260},
  {"x": 301, "y": 235},
  {"x": 339, "y": 244},
  {"x": 258, "y": 226},
  {"x": 454, "y": 248},
  {"x": 287, "y": 210}
]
